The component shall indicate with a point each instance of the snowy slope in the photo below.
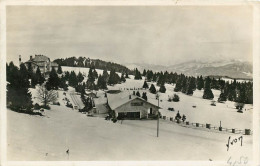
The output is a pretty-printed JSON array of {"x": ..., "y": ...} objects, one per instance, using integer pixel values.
[
  {"x": 93, "y": 138},
  {"x": 203, "y": 113},
  {"x": 88, "y": 138}
]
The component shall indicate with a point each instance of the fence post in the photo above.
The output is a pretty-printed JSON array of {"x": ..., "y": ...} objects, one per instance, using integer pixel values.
[
  {"x": 233, "y": 130},
  {"x": 247, "y": 131}
]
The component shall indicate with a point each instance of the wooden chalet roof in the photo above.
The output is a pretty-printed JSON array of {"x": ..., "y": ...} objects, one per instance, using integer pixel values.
[{"x": 117, "y": 100}]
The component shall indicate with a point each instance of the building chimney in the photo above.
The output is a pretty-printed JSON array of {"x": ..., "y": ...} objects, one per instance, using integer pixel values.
[
  {"x": 30, "y": 57},
  {"x": 20, "y": 59},
  {"x": 130, "y": 96}
]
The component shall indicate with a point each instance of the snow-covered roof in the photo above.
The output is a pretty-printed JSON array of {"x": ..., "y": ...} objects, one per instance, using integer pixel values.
[
  {"x": 116, "y": 100},
  {"x": 40, "y": 58}
]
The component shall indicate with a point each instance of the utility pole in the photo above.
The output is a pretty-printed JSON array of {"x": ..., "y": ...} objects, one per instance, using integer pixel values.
[{"x": 158, "y": 117}]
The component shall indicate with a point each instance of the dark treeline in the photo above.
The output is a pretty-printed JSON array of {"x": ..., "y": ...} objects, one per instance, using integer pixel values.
[
  {"x": 93, "y": 63},
  {"x": 234, "y": 91},
  {"x": 20, "y": 79},
  {"x": 93, "y": 81}
]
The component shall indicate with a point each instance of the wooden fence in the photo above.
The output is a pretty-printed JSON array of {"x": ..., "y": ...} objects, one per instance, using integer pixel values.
[{"x": 208, "y": 126}]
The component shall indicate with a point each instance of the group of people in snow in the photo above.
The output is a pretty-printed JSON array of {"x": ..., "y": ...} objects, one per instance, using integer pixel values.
[{"x": 178, "y": 117}]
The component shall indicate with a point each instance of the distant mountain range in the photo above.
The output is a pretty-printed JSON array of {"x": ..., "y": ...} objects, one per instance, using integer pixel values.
[{"x": 225, "y": 68}]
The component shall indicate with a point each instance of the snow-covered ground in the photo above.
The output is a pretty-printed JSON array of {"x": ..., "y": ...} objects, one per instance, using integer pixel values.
[
  {"x": 203, "y": 113},
  {"x": 93, "y": 138},
  {"x": 88, "y": 138}
]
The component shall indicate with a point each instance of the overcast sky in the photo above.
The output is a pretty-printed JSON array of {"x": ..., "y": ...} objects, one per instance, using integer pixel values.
[{"x": 154, "y": 35}]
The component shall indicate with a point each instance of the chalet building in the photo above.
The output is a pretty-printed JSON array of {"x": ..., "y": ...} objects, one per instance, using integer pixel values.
[
  {"x": 43, "y": 62},
  {"x": 131, "y": 106}
]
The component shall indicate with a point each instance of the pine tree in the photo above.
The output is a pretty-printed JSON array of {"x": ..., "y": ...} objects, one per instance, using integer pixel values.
[
  {"x": 154, "y": 77},
  {"x": 63, "y": 83},
  {"x": 91, "y": 80},
  {"x": 37, "y": 78},
  {"x": 223, "y": 95},
  {"x": 232, "y": 91},
  {"x": 138, "y": 75},
  {"x": 40, "y": 77},
  {"x": 53, "y": 80},
  {"x": 149, "y": 75},
  {"x": 214, "y": 84},
  {"x": 166, "y": 76},
  {"x": 30, "y": 71},
  {"x": 200, "y": 83},
  {"x": 95, "y": 74},
  {"x": 175, "y": 98},
  {"x": 18, "y": 94},
  {"x": 145, "y": 85},
  {"x": 207, "y": 90},
  {"x": 178, "y": 85},
  {"x": 184, "y": 85},
  {"x": 81, "y": 89},
  {"x": 249, "y": 92},
  {"x": 161, "y": 79},
  {"x": 67, "y": 75},
  {"x": 101, "y": 83},
  {"x": 113, "y": 78},
  {"x": 221, "y": 83},
  {"x": 144, "y": 72},
  {"x": 191, "y": 86},
  {"x": 59, "y": 70},
  {"x": 162, "y": 89},
  {"x": 73, "y": 79},
  {"x": 105, "y": 75},
  {"x": 34, "y": 80},
  {"x": 24, "y": 76},
  {"x": 144, "y": 96},
  {"x": 241, "y": 94},
  {"x": 152, "y": 89},
  {"x": 80, "y": 77}
]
